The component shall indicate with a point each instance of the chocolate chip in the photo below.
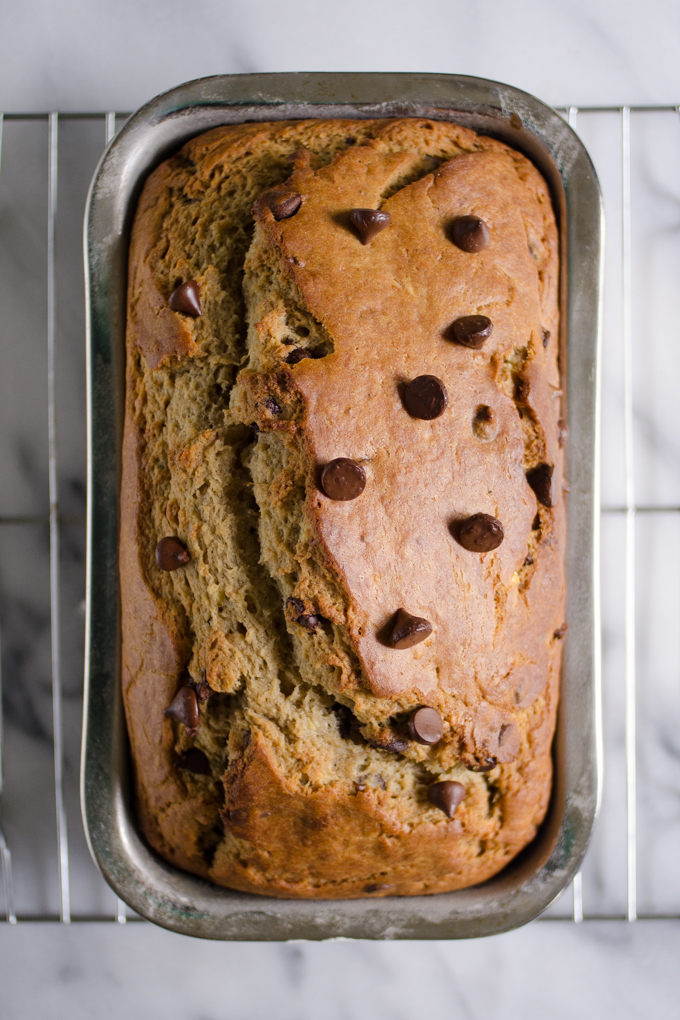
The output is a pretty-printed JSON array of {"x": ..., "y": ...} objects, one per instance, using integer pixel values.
[
  {"x": 407, "y": 630},
  {"x": 480, "y": 533},
  {"x": 426, "y": 397},
  {"x": 310, "y": 621},
  {"x": 271, "y": 405},
  {"x": 546, "y": 337},
  {"x": 184, "y": 708},
  {"x": 561, "y": 631},
  {"x": 343, "y": 479},
  {"x": 373, "y": 887},
  {"x": 203, "y": 690},
  {"x": 396, "y": 745},
  {"x": 528, "y": 561},
  {"x": 540, "y": 480},
  {"x": 237, "y": 815},
  {"x": 562, "y": 432},
  {"x": 171, "y": 553},
  {"x": 472, "y": 330},
  {"x": 194, "y": 760},
  {"x": 283, "y": 203},
  {"x": 485, "y": 423},
  {"x": 298, "y": 355},
  {"x": 484, "y": 764},
  {"x": 368, "y": 223},
  {"x": 446, "y": 796},
  {"x": 470, "y": 233},
  {"x": 426, "y": 726},
  {"x": 186, "y": 299}
]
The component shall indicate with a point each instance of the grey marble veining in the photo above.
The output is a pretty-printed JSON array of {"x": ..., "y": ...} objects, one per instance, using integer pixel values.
[
  {"x": 598, "y": 971},
  {"x": 119, "y": 54}
]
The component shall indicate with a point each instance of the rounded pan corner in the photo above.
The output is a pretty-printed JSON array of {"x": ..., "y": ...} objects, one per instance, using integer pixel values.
[{"x": 153, "y": 888}]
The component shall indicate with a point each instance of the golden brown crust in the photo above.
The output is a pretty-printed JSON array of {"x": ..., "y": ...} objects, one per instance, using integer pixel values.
[
  {"x": 292, "y": 807},
  {"x": 345, "y": 845}
]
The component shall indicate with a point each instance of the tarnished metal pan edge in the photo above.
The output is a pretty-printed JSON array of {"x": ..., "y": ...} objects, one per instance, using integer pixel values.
[{"x": 179, "y": 901}]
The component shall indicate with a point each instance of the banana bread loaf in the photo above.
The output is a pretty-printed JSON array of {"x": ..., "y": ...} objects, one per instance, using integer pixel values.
[{"x": 342, "y": 525}]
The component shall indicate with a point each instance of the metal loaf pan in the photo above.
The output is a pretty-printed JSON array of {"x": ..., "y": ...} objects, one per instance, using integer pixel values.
[{"x": 155, "y": 889}]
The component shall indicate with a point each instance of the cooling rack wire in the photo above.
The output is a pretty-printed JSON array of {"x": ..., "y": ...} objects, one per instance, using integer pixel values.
[{"x": 629, "y": 871}]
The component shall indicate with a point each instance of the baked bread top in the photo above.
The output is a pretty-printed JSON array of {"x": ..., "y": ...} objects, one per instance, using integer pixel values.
[{"x": 291, "y": 345}]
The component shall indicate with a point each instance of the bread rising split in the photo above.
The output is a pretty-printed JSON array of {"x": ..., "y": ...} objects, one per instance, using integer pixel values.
[{"x": 309, "y": 781}]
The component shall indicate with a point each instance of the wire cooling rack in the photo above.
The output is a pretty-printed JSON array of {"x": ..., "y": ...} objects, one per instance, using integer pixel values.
[{"x": 630, "y": 870}]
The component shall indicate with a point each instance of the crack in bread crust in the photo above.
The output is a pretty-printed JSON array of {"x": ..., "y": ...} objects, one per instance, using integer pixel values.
[{"x": 224, "y": 435}]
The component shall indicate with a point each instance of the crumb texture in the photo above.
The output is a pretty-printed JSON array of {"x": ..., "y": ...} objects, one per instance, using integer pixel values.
[{"x": 309, "y": 782}]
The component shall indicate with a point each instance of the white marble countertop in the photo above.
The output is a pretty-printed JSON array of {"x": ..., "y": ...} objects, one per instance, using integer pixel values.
[{"x": 76, "y": 56}]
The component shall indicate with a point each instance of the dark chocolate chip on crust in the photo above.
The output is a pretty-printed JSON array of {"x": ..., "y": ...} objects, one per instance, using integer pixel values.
[
  {"x": 472, "y": 330},
  {"x": 484, "y": 764},
  {"x": 546, "y": 337},
  {"x": 299, "y": 354},
  {"x": 343, "y": 479},
  {"x": 368, "y": 223},
  {"x": 194, "y": 760},
  {"x": 237, "y": 815},
  {"x": 272, "y": 405},
  {"x": 186, "y": 299},
  {"x": 561, "y": 631},
  {"x": 540, "y": 480},
  {"x": 171, "y": 553},
  {"x": 407, "y": 630},
  {"x": 447, "y": 796},
  {"x": 310, "y": 621},
  {"x": 283, "y": 202},
  {"x": 470, "y": 234},
  {"x": 425, "y": 397},
  {"x": 203, "y": 689},
  {"x": 485, "y": 423},
  {"x": 480, "y": 533},
  {"x": 184, "y": 708},
  {"x": 390, "y": 743},
  {"x": 425, "y": 726}
]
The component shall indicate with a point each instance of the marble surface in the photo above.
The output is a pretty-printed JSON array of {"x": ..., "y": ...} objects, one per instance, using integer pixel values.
[
  {"x": 602, "y": 971},
  {"x": 78, "y": 56}
]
